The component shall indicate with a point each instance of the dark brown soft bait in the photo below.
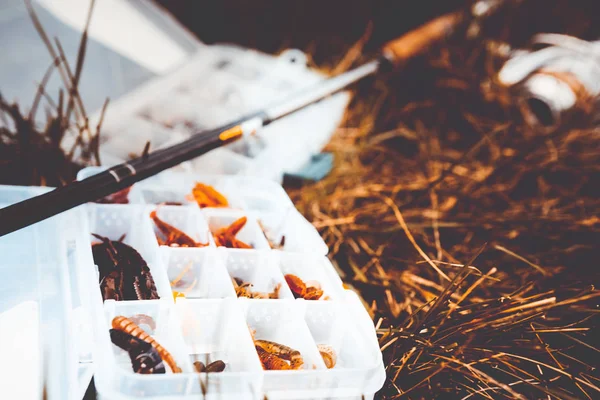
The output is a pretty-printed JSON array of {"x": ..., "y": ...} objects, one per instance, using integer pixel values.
[
  {"x": 144, "y": 358},
  {"x": 123, "y": 273}
]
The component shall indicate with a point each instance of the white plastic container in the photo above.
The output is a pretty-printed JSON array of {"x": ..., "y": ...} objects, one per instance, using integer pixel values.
[
  {"x": 211, "y": 322},
  {"x": 44, "y": 332}
]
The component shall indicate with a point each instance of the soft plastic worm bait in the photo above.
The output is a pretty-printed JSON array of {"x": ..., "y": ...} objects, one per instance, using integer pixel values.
[
  {"x": 173, "y": 236},
  {"x": 281, "y": 351},
  {"x": 128, "y": 326},
  {"x": 144, "y": 358}
]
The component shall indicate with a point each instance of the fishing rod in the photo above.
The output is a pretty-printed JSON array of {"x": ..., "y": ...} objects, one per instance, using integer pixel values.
[{"x": 119, "y": 177}]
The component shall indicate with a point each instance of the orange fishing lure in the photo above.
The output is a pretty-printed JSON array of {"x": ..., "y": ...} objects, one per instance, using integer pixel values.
[
  {"x": 208, "y": 196},
  {"x": 226, "y": 236},
  {"x": 173, "y": 236}
]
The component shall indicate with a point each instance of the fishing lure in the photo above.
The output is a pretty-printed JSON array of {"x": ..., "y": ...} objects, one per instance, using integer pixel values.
[
  {"x": 215, "y": 366},
  {"x": 144, "y": 358},
  {"x": 281, "y": 351},
  {"x": 123, "y": 273},
  {"x": 328, "y": 355},
  {"x": 208, "y": 196},
  {"x": 128, "y": 326},
  {"x": 306, "y": 290},
  {"x": 172, "y": 236},
  {"x": 199, "y": 366},
  {"x": 270, "y": 361},
  {"x": 226, "y": 236}
]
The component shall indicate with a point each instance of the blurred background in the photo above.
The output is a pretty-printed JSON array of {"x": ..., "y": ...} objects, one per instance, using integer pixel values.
[{"x": 328, "y": 27}]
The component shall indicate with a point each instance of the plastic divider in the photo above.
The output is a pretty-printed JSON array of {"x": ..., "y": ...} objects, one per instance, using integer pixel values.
[
  {"x": 198, "y": 273},
  {"x": 257, "y": 268},
  {"x": 215, "y": 330},
  {"x": 282, "y": 322},
  {"x": 150, "y": 194},
  {"x": 330, "y": 324}
]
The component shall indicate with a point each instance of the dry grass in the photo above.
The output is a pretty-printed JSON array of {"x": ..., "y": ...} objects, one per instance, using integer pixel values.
[
  {"x": 471, "y": 236},
  {"x": 37, "y": 154}
]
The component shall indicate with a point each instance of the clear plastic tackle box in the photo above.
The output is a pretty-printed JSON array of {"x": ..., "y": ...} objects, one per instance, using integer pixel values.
[{"x": 210, "y": 323}]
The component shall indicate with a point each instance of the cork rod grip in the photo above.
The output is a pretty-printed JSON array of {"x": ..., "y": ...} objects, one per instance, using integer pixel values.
[{"x": 420, "y": 39}]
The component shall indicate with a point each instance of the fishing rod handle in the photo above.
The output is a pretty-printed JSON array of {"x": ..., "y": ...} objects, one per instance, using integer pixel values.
[{"x": 419, "y": 40}]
